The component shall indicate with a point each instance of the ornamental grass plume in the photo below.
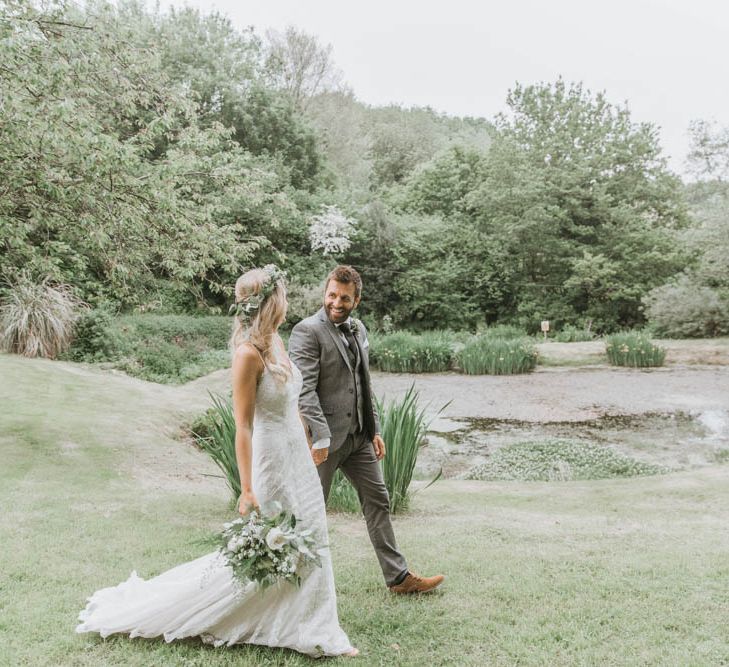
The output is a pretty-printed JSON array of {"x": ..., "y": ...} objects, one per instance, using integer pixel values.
[{"x": 37, "y": 319}]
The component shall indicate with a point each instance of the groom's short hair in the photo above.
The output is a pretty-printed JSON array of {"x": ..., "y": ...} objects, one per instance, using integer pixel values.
[{"x": 346, "y": 274}]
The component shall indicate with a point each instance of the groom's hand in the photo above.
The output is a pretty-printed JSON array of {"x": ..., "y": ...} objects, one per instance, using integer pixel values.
[
  {"x": 320, "y": 455},
  {"x": 379, "y": 445}
]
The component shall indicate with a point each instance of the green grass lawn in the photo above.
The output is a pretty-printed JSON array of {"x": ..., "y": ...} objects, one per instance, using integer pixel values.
[{"x": 93, "y": 484}]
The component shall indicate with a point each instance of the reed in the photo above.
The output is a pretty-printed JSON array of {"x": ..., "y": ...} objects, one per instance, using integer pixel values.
[{"x": 635, "y": 349}]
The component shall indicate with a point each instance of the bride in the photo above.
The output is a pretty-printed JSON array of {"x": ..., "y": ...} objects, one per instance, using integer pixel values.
[{"x": 201, "y": 598}]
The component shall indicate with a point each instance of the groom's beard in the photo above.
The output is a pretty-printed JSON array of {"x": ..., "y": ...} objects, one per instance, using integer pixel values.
[{"x": 337, "y": 318}]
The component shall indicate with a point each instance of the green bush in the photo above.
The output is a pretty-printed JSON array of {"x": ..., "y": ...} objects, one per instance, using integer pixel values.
[
  {"x": 633, "y": 349},
  {"x": 497, "y": 356},
  {"x": 559, "y": 460},
  {"x": 37, "y": 319},
  {"x": 506, "y": 331},
  {"x": 404, "y": 352},
  {"x": 95, "y": 338},
  {"x": 403, "y": 426},
  {"x": 572, "y": 334},
  {"x": 687, "y": 310},
  {"x": 158, "y": 348},
  {"x": 206, "y": 331}
]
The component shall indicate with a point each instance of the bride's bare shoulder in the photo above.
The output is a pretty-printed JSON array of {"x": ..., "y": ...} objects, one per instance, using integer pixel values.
[{"x": 247, "y": 358}]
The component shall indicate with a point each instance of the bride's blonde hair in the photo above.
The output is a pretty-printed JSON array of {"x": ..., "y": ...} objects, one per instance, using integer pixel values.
[{"x": 260, "y": 304}]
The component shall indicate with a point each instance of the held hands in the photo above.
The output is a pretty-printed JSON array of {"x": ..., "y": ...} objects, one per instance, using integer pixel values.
[
  {"x": 320, "y": 455},
  {"x": 247, "y": 502},
  {"x": 379, "y": 445}
]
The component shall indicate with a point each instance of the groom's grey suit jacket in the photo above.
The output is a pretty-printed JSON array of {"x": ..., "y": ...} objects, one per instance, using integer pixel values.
[{"x": 328, "y": 395}]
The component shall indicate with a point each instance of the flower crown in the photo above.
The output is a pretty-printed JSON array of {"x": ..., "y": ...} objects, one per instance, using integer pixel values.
[{"x": 248, "y": 306}]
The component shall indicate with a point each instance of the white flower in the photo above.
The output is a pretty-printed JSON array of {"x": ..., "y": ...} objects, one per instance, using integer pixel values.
[
  {"x": 305, "y": 550},
  {"x": 330, "y": 231},
  {"x": 233, "y": 544},
  {"x": 276, "y": 539}
]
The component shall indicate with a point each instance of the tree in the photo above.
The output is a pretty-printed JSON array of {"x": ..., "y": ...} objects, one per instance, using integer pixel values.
[
  {"x": 573, "y": 209},
  {"x": 109, "y": 182},
  {"x": 299, "y": 66}
]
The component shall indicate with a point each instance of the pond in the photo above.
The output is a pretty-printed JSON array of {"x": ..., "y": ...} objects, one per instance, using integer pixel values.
[{"x": 656, "y": 442}]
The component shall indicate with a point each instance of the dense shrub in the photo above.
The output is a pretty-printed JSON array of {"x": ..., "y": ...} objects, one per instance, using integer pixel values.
[
  {"x": 497, "y": 356},
  {"x": 633, "y": 349},
  {"x": 505, "y": 331},
  {"x": 158, "y": 348},
  {"x": 403, "y": 352},
  {"x": 36, "y": 319},
  {"x": 572, "y": 334},
  {"x": 686, "y": 310},
  {"x": 208, "y": 331},
  {"x": 559, "y": 460},
  {"x": 95, "y": 338}
]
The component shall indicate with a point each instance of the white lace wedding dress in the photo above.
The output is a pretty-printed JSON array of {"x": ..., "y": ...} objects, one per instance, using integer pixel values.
[{"x": 200, "y": 598}]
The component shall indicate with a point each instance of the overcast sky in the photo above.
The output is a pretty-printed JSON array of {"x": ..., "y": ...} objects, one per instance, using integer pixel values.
[{"x": 669, "y": 59}]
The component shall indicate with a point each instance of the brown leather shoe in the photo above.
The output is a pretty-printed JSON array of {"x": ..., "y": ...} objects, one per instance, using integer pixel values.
[{"x": 412, "y": 583}]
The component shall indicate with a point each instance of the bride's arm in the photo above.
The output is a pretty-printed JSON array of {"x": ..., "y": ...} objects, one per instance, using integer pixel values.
[{"x": 247, "y": 369}]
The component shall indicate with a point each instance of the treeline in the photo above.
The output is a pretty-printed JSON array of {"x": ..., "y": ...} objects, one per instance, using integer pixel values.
[{"x": 149, "y": 157}]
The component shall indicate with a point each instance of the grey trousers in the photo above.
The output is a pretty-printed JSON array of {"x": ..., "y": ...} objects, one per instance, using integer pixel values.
[{"x": 356, "y": 457}]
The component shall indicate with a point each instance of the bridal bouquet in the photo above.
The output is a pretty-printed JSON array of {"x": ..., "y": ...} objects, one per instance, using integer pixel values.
[{"x": 266, "y": 547}]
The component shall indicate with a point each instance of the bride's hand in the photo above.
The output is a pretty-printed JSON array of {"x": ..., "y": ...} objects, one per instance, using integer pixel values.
[{"x": 247, "y": 502}]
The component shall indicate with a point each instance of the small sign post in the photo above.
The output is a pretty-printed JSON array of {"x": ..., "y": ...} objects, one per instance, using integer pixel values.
[{"x": 545, "y": 328}]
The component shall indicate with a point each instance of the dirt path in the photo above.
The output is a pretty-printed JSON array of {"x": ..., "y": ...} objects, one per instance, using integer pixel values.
[{"x": 567, "y": 394}]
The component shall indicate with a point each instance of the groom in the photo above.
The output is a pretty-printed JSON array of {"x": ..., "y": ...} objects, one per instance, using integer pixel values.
[{"x": 331, "y": 351}]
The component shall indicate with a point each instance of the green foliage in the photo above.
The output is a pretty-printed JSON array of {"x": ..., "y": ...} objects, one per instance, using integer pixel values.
[
  {"x": 209, "y": 332},
  {"x": 633, "y": 349},
  {"x": 684, "y": 309},
  {"x": 114, "y": 177},
  {"x": 560, "y": 461},
  {"x": 342, "y": 495},
  {"x": 219, "y": 442},
  {"x": 571, "y": 334},
  {"x": 497, "y": 356},
  {"x": 404, "y": 352},
  {"x": 403, "y": 425},
  {"x": 158, "y": 348},
  {"x": 571, "y": 214},
  {"x": 36, "y": 319},
  {"x": 506, "y": 331},
  {"x": 95, "y": 338}
]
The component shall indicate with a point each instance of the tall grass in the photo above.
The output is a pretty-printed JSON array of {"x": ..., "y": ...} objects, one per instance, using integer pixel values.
[
  {"x": 404, "y": 352},
  {"x": 507, "y": 331},
  {"x": 634, "y": 349},
  {"x": 342, "y": 495},
  {"x": 572, "y": 334},
  {"x": 218, "y": 441},
  {"x": 37, "y": 319},
  {"x": 403, "y": 426},
  {"x": 493, "y": 355}
]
